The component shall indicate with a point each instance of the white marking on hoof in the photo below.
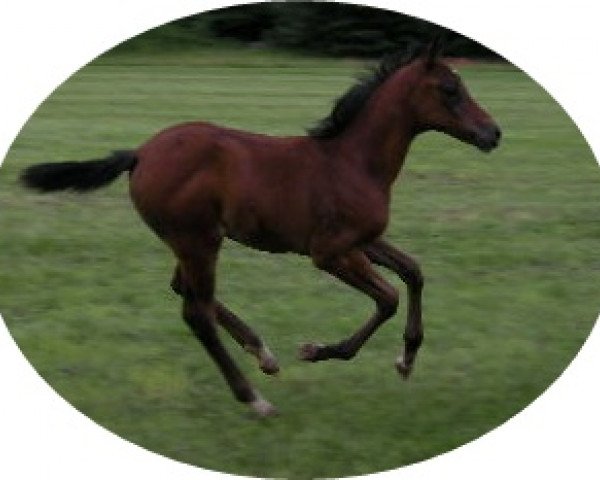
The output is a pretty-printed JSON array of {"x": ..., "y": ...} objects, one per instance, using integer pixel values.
[
  {"x": 267, "y": 361},
  {"x": 403, "y": 369},
  {"x": 262, "y": 407}
]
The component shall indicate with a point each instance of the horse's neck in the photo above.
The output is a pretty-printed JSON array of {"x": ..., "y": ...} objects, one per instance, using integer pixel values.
[{"x": 380, "y": 137}]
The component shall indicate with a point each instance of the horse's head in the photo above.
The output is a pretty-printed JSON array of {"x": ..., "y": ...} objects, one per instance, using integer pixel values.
[{"x": 441, "y": 102}]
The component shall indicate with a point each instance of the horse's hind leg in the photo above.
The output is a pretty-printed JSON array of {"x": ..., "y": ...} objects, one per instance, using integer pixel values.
[
  {"x": 247, "y": 338},
  {"x": 199, "y": 312},
  {"x": 240, "y": 331}
]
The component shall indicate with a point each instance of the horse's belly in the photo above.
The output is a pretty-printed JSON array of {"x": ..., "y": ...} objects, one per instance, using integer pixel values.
[
  {"x": 261, "y": 241},
  {"x": 260, "y": 232}
]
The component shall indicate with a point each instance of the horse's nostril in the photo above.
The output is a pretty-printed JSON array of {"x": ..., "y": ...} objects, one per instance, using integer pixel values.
[{"x": 498, "y": 133}]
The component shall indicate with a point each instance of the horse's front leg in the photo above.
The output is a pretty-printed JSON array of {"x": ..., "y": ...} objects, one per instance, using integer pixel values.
[
  {"x": 382, "y": 253},
  {"x": 354, "y": 269}
]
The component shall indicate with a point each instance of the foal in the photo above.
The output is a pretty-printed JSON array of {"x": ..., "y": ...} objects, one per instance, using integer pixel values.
[{"x": 325, "y": 195}]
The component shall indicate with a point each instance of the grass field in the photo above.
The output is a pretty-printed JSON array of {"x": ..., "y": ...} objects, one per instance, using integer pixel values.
[{"x": 508, "y": 243}]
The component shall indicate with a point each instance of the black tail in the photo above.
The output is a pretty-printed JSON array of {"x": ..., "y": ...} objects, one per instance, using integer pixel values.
[{"x": 78, "y": 176}]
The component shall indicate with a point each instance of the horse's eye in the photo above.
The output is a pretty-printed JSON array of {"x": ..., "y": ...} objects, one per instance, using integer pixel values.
[
  {"x": 451, "y": 94},
  {"x": 449, "y": 89}
]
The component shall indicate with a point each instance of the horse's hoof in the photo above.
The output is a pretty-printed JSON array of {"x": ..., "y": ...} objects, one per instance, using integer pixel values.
[
  {"x": 266, "y": 360},
  {"x": 403, "y": 369},
  {"x": 309, "y": 352},
  {"x": 269, "y": 365},
  {"x": 263, "y": 408}
]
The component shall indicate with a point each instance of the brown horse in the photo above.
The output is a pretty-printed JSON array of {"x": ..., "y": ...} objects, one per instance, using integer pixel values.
[{"x": 325, "y": 195}]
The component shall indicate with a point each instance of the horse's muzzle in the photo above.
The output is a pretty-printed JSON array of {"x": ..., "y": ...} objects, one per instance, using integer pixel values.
[{"x": 487, "y": 138}]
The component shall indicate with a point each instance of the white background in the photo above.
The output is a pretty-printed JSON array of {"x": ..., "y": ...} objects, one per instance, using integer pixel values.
[{"x": 44, "y": 42}]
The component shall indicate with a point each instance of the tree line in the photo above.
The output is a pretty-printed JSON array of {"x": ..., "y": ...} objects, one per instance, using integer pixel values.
[{"x": 321, "y": 28}]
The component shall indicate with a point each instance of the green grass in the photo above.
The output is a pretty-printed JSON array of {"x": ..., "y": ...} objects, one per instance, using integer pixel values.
[{"x": 508, "y": 242}]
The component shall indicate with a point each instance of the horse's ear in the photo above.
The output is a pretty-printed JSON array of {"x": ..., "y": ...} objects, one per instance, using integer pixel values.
[{"x": 433, "y": 50}]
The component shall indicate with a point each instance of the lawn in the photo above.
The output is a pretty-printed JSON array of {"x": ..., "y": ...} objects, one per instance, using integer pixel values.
[{"x": 508, "y": 243}]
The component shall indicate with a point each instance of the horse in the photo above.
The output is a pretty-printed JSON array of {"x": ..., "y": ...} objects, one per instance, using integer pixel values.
[{"x": 325, "y": 195}]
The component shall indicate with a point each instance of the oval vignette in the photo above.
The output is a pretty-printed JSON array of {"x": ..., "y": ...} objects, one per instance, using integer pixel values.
[{"x": 524, "y": 214}]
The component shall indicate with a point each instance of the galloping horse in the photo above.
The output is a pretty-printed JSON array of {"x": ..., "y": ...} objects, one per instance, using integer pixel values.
[{"x": 325, "y": 195}]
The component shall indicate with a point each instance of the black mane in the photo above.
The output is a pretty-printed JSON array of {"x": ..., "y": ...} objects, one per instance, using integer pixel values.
[{"x": 350, "y": 104}]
